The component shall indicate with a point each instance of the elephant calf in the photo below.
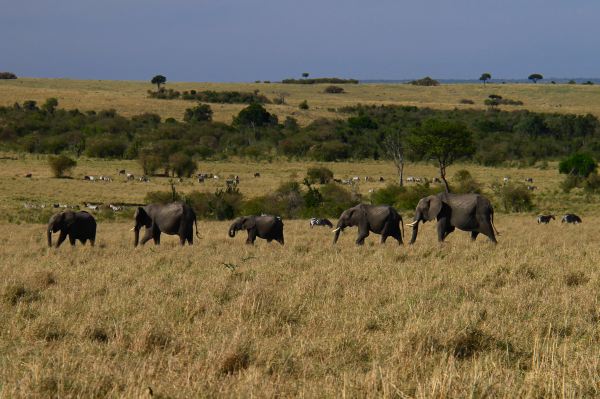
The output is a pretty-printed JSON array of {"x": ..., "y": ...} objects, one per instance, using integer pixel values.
[
  {"x": 76, "y": 225},
  {"x": 265, "y": 226},
  {"x": 381, "y": 219}
]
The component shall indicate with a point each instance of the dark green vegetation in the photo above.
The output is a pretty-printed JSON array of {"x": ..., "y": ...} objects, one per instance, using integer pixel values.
[
  {"x": 498, "y": 136},
  {"x": 61, "y": 165},
  {"x": 7, "y": 75},
  {"x": 426, "y": 81},
  {"x": 319, "y": 81},
  {"x": 211, "y": 96}
]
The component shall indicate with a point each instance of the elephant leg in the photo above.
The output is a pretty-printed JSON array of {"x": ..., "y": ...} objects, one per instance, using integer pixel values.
[
  {"x": 83, "y": 241},
  {"x": 487, "y": 230},
  {"x": 147, "y": 237},
  {"x": 280, "y": 240},
  {"x": 156, "y": 237},
  {"x": 474, "y": 235},
  {"x": 92, "y": 242},
  {"x": 441, "y": 230},
  {"x": 397, "y": 236},
  {"x": 72, "y": 239},
  {"x": 61, "y": 238},
  {"x": 360, "y": 240},
  {"x": 269, "y": 240},
  {"x": 251, "y": 237},
  {"x": 383, "y": 238}
]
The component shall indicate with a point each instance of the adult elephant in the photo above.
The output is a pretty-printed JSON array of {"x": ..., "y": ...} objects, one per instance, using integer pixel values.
[
  {"x": 379, "y": 219},
  {"x": 174, "y": 218},
  {"x": 265, "y": 226},
  {"x": 76, "y": 225},
  {"x": 467, "y": 212}
]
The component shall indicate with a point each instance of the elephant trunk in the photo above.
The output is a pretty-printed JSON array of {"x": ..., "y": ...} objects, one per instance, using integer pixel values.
[
  {"x": 232, "y": 230},
  {"x": 49, "y": 236},
  {"x": 136, "y": 232},
  {"x": 415, "y": 227},
  {"x": 414, "y": 233},
  {"x": 339, "y": 228}
]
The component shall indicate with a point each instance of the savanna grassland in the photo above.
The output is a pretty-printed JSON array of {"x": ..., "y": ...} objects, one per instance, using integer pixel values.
[
  {"x": 220, "y": 318},
  {"x": 309, "y": 319},
  {"x": 130, "y": 97}
]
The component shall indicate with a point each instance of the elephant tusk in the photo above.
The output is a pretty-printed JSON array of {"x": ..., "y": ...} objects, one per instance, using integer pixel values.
[
  {"x": 132, "y": 229},
  {"x": 336, "y": 230},
  {"x": 412, "y": 224}
]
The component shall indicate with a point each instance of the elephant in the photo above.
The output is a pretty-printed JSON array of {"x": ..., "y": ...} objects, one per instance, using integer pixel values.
[
  {"x": 266, "y": 227},
  {"x": 77, "y": 225},
  {"x": 379, "y": 219},
  {"x": 174, "y": 218},
  {"x": 467, "y": 212}
]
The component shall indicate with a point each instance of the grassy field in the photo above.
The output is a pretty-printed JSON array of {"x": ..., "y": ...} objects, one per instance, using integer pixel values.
[
  {"x": 223, "y": 319},
  {"x": 130, "y": 97},
  {"x": 520, "y": 319},
  {"x": 43, "y": 189}
]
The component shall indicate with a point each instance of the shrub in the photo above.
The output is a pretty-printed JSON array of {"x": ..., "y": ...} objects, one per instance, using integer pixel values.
[
  {"x": 61, "y": 165},
  {"x": 182, "y": 164},
  {"x": 403, "y": 198},
  {"x": 570, "y": 182},
  {"x": 334, "y": 90},
  {"x": 319, "y": 81},
  {"x": 222, "y": 205},
  {"x": 580, "y": 165},
  {"x": 254, "y": 115},
  {"x": 164, "y": 94},
  {"x": 200, "y": 113},
  {"x": 7, "y": 75},
  {"x": 388, "y": 195},
  {"x": 150, "y": 162},
  {"x": 303, "y": 105},
  {"x": 426, "y": 81},
  {"x": 466, "y": 101},
  {"x": 226, "y": 97},
  {"x": 319, "y": 175},
  {"x": 592, "y": 183},
  {"x": 465, "y": 183},
  {"x": 106, "y": 147},
  {"x": 514, "y": 197},
  {"x": 162, "y": 197}
]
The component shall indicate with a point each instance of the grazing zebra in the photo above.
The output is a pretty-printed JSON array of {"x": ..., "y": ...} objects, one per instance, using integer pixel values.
[
  {"x": 571, "y": 218},
  {"x": 545, "y": 219},
  {"x": 130, "y": 176},
  {"x": 320, "y": 222}
]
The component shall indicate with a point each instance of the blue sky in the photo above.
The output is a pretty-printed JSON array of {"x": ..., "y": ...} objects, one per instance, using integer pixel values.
[{"x": 247, "y": 40}]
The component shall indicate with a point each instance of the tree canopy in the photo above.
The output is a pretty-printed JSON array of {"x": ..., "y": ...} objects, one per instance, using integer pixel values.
[
  {"x": 485, "y": 77},
  {"x": 443, "y": 141},
  {"x": 158, "y": 80},
  {"x": 580, "y": 165},
  {"x": 534, "y": 77}
]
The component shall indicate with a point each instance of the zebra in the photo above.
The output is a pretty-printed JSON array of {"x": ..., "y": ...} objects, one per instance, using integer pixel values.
[
  {"x": 320, "y": 222},
  {"x": 130, "y": 176},
  {"x": 571, "y": 218},
  {"x": 545, "y": 219}
]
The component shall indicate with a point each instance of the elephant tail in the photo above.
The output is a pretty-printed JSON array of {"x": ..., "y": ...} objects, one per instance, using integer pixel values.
[
  {"x": 196, "y": 224},
  {"x": 402, "y": 228},
  {"x": 492, "y": 222}
]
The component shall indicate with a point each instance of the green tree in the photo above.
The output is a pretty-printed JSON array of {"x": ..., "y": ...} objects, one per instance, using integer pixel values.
[
  {"x": 579, "y": 165},
  {"x": 534, "y": 77},
  {"x": 200, "y": 113},
  {"x": 50, "y": 105},
  {"x": 305, "y": 75},
  {"x": 158, "y": 80},
  {"x": 443, "y": 141},
  {"x": 254, "y": 115},
  {"x": 321, "y": 175},
  {"x": 182, "y": 164},
  {"x": 485, "y": 77},
  {"x": 61, "y": 165}
]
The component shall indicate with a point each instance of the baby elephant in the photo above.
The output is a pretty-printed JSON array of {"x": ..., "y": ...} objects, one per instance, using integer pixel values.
[
  {"x": 571, "y": 218},
  {"x": 265, "y": 226},
  {"x": 77, "y": 225},
  {"x": 545, "y": 219}
]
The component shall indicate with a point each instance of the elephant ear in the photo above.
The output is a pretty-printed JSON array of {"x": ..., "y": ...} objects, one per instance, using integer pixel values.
[
  {"x": 359, "y": 217},
  {"x": 68, "y": 218},
  {"x": 435, "y": 206},
  {"x": 249, "y": 223}
]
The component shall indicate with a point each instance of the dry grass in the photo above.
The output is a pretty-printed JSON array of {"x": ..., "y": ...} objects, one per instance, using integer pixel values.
[
  {"x": 520, "y": 319},
  {"x": 130, "y": 97}
]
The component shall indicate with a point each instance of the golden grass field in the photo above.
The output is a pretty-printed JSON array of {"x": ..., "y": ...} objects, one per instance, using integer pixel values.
[
  {"x": 223, "y": 319},
  {"x": 220, "y": 318},
  {"x": 308, "y": 319},
  {"x": 130, "y": 97}
]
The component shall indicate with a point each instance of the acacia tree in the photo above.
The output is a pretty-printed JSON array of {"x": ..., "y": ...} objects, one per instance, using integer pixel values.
[
  {"x": 158, "y": 80},
  {"x": 443, "y": 141},
  {"x": 393, "y": 147},
  {"x": 305, "y": 75},
  {"x": 534, "y": 77},
  {"x": 485, "y": 77}
]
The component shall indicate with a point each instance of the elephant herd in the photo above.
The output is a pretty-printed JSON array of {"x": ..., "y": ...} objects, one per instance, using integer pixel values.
[{"x": 467, "y": 212}]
